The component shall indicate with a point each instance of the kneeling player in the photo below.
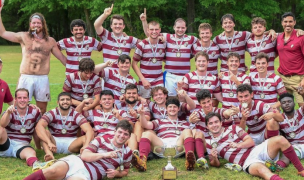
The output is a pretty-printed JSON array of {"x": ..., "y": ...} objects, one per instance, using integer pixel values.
[
  {"x": 237, "y": 147},
  {"x": 99, "y": 160}
]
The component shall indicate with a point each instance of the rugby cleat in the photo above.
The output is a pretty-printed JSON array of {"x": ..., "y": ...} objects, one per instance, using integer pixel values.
[
  {"x": 190, "y": 161},
  {"x": 273, "y": 166},
  {"x": 139, "y": 164},
  {"x": 233, "y": 167},
  {"x": 42, "y": 165},
  {"x": 202, "y": 163}
]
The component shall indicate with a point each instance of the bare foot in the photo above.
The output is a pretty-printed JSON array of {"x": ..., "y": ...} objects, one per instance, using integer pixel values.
[{"x": 48, "y": 157}]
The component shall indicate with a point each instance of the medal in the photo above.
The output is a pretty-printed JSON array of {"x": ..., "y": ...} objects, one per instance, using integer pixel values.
[
  {"x": 244, "y": 105},
  {"x": 63, "y": 131},
  {"x": 122, "y": 167},
  {"x": 105, "y": 125},
  {"x": 79, "y": 51},
  {"x": 23, "y": 130},
  {"x": 231, "y": 94},
  {"x": 154, "y": 60},
  {"x": 262, "y": 95},
  {"x": 178, "y": 54},
  {"x": 85, "y": 96},
  {"x": 177, "y": 132},
  {"x": 119, "y": 51},
  {"x": 122, "y": 91},
  {"x": 214, "y": 145},
  {"x": 292, "y": 135},
  {"x": 79, "y": 58}
]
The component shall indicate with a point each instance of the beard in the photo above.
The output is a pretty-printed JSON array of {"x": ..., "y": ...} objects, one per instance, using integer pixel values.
[
  {"x": 131, "y": 102},
  {"x": 63, "y": 108}
]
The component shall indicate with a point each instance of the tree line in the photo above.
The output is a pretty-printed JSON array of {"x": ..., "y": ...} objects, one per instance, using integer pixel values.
[{"x": 59, "y": 14}]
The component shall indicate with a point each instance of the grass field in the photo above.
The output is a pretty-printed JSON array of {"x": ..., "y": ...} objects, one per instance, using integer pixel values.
[{"x": 15, "y": 169}]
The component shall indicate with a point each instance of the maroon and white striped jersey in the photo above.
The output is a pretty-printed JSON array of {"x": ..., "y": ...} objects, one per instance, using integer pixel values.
[
  {"x": 88, "y": 45},
  {"x": 104, "y": 123},
  {"x": 296, "y": 125},
  {"x": 114, "y": 82},
  {"x": 97, "y": 169},
  {"x": 144, "y": 53},
  {"x": 73, "y": 122},
  {"x": 271, "y": 87},
  {"x": 111, "y": 48},
  {"x": 213, "y": 52},
  {"x": 178, "y": 63},
  {"x": 161, "y": 113},
  {"x": 166, "y": 128},
  {"x": 124, "y": 106},
  {"x": 236, "y": 44},
  {"x": 267, "y": 46},
  {"x": 229, "y": 86},
  {"x": 13, "y": 128},
  {"x": 76, "y": 86},
  {"x": 231, "y": 134},
  {"x": 254, "y": 124},
  {"x": 192, "y": 85}
]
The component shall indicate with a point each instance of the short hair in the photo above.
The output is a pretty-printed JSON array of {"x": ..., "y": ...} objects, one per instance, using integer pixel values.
[
  {"x": 153, "y": 23},
  {"x": 202, "y": 94},
  {"x": 243, "y": 88},
  {"x": 86, "y": 65},
  {"x": 106, "y": 92},
  {"x": 78, "y": 23},
  {"x": 204, "y": 26},
  {"x": 261, "y": 55},
  {"x": 179, "y": 19},
  {"x": 64, "y": 94},
  {"x": 201, "y": 53},
  {"x": 286, "y": 14},
  {"x": 233, "y": 54},
  {"x": 131, "y": 86},
  {"x": 227, "y": 16},
  {"x": 125, "y": 125},
  {"x": 258, "y": 20},
  {"x": 122, "y": 58},
  {"x": 212, "y": 114},
  {"x": 45, "y": 31},
  {"x": 117, "y": 16},
  {"x": 172, "y": 100},
  {"x": 163, "y": 89},
  {"x": 284, "y": 95},
  {"x": 22, "y": 89}
]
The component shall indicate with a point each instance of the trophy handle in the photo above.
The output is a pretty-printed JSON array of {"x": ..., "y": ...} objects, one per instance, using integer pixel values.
[
  {"x": 179, "y": 153},
  {"x": 162, "y": 151}
]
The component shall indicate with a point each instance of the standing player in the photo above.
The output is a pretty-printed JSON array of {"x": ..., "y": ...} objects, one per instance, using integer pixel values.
[
  {"x": 17, "y": 126},
  {"x": 237, "y": 147},
  {"x": 266, "y": 85},
  {"x": 99, "y": 160},
  {"x": 63, "y": 123},
  {"x": 5, "y": 94},
  {"x": 150, "y": 53},
  {"x": 260, "y": 118},
  {"x": 231, "y": 79},
  {"x": 78, "y": 46},
  {"x": 114, "y": 43},
  {"x": 83, "y": 84},
  {"x": 37, "y": 47}
]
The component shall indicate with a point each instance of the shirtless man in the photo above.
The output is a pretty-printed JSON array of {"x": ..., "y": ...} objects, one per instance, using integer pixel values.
[{"x": 37, "y": 47}]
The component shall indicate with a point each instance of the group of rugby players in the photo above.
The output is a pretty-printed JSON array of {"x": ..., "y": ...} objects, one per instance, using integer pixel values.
[{"x": 109, "y": 118}]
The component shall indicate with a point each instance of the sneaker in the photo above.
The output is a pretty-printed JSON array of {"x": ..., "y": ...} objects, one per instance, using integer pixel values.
[
  {"x": 273, "y": 166},
  {"x": 202, "y": 163},
  {"x": 190, "y": 161},
  {"x": 139, "y": 164},
  {"x": 42, "y": 165},
  {"x": 233, "y": 167}
]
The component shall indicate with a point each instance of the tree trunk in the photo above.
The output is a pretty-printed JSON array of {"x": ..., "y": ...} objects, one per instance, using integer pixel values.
[
  {"x": 190, "y": 15},
  {"x": 90, "y": 28}
]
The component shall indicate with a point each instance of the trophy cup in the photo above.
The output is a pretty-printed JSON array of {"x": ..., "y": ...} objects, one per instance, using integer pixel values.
[{"x": 169, "y": 171}]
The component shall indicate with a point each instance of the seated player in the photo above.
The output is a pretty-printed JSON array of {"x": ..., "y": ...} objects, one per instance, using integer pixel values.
[
  {"x": 5, "y": 96},
  {"x": 170, "y": 133},
  {"x": 158, "y": 107},
  {"x": 231, "y": 79},
  {"x": 17, "y": 127},
  {"x": 116, "y": 79},
  {"x": 237, "y": 147},
  {"x": 63, "y": 123},
  {"x": 98, "y": 161},
  {"x": 83, "y": 84},
  {"x": 260, "y": 118},
  {"x": 266, "y": 85}
]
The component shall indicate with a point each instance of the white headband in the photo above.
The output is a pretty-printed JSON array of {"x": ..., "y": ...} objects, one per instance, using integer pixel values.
[{"x": 36, "y": 16}]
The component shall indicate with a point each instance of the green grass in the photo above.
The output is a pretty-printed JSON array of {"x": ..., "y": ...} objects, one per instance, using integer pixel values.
[{"x": 15, "y": 169}]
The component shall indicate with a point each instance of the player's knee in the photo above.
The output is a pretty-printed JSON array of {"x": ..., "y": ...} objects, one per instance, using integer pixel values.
[
  {"x": 199, "y": 134},
  {"x": 146, "y": 134},
  {"x": 281, "y": 140}
]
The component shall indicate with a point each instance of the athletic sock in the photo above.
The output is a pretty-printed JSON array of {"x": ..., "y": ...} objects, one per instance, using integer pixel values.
[
  {"x": 275, "y": 177},
  {"x": 272, "y": 133},
  {"x": 38, "y": 175},
  {"x": 144, "y": 147},
  {"x": 281, "y": 164},
  {"x": 30, "y": 161},
  {"x": 189, "y": 144},
  {"x": 293, "y": 158},
  {"x": 199, "y": 147}
]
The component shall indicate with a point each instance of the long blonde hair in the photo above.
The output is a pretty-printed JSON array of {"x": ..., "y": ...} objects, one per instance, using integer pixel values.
[{"x": 44, "y": 26}]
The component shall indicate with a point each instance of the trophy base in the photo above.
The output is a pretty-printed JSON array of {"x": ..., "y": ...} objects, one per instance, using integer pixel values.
[{"x": 169, "y": 174}]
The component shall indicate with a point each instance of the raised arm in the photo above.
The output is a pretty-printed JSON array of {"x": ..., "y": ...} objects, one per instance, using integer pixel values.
[
  {"x": 5, "y": 119},
  {"x": 143, "y": 121},
  {"x": 10, "y": 36},
  {"x": 143, "y": 18},
  {"x": 102, "y": 66},
  {"x": 99, "y": 21}
]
